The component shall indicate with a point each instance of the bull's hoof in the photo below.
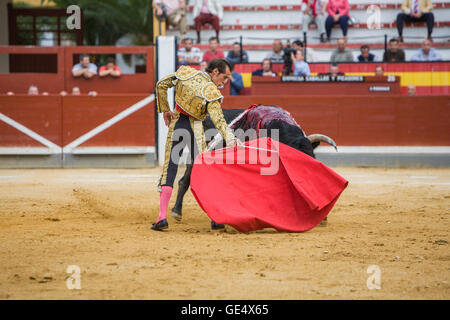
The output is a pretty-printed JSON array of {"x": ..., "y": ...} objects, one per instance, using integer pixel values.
[
  {"x": 216, "y": 226},
  {"x": 160, "y": 225},
  {"x": 176, "y": 215}
]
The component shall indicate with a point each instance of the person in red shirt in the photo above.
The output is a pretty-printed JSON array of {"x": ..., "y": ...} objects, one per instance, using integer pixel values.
[
  {"x": 110, "y": 69},
  {"x": 214, "y": 52},
  {"x": 338, "y": 11}
]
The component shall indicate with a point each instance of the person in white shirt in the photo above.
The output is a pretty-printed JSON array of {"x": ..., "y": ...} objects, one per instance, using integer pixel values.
[
  {"x": 426, "y": 53},
  {"x": 189, "y": 54},
  {"x": 207, "y": 11}
]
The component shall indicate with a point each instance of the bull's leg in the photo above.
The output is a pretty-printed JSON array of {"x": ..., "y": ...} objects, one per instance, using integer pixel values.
[
  {"x": 183, "y": 186},
  {"x": 324, "y": 222}
]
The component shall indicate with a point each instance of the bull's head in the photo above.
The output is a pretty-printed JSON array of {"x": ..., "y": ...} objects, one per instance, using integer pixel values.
[
  {"x": 293, "y": 136},
  {"x": 316, "y": 139}
]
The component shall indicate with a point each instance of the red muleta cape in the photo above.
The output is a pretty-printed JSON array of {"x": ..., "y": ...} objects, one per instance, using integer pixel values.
[{"x": 296, "y": 197}]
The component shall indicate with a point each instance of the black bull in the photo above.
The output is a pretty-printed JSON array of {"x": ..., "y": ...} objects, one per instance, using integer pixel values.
[{"x": 288, "y": 134}]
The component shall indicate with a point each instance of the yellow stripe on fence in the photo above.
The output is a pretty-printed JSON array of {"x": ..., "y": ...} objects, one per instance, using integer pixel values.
[{"x": 420, "y": 79}]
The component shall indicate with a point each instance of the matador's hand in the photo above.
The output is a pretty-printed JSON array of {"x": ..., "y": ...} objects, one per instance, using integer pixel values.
[
  {"x": 168, "y": 116},
  {"x": 235, "y": 142}
]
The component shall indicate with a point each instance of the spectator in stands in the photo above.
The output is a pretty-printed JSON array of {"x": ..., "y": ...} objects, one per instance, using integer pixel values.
[
  {"x": 298, "y": 45},
  {"x": 266, "y": 69},
  {"x": 207, "y": 11},
  {"x": 214, "y": 52},
  {"x": 203, "y": 65},
  {"x": 313, "y": 11},
  {"x": 110, "y": 69},
  {"x": 341, "y": 54},
  {"x": 33, "y": 90},
  {"x": 76, "y": 91},
  {"x": 334, "y": 71},
  {"x": 379, "y": 71},
  {"x": 415, "y": 11},
  {"x": 234, "y": 56},
  {"x": 189, "y": 54},
  {"x": 412, "y": 91},
  {"x": 365, "y": 55},
  {"x": 277, "y": 55},
  {"x": 10, "y": 93},
  {"x": 85, "y": 68},
  {"x": 394, "y": 53},
  {"x": 301, "y": 68},
  {"x": 426, "y": 53},
  {"x": 338, "y": 12},
  {"x": 236, "y": 84},
  {"x": 174, "y": 11}
]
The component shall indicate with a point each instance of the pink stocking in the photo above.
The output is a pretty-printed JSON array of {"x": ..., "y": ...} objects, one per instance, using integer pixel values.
[{"x": 166, "y": 192}]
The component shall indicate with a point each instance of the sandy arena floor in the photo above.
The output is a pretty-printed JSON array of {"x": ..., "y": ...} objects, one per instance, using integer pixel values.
[{"x": 99, "y": 220}]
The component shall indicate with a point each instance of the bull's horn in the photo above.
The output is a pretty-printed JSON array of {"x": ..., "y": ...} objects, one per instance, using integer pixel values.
[{"x": 321, "y": 137}]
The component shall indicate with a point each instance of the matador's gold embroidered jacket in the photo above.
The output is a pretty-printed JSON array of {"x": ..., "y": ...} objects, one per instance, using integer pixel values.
[{"x": 196, "y": 94}]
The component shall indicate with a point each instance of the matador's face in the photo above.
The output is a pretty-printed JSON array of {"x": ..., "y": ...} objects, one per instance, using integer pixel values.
[{"x": 220, "y": 79}]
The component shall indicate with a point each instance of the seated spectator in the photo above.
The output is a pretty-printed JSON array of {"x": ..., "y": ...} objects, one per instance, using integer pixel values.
[
  {"x": 415, "y": 11},
  {"x": 174, "y": 11},
  {"x": 341, "y": 54},
  {"x": 10, "y": 93},
  {"x": 189, "y": 54},
  {"x": 379, "y": 71},
  {"x": 301, "y": 68},
  {"x": 236, "y": 84},
  {"x": 214, "y": 52},
  {"x": 338, "y": 12},
  {"x": 426, "y": 53},
  {"x": 394, "y": 53},
  {"x": 203, "y": 65},
  {"x": 76, "y": 91},
  {"x": 33, "y": 90},
  {"x": 277, "y": 55},
  {"x": 412, "y": 91},
  {"x": 207, "y": 12},
  {"x": 85, "y": 68},
  {"x": 313, "y": 11},
  {"x": 234, "y": 56},
  {"x": 334, "y": 71},
  {"x": 365, "y": 55},
  {"x": 298, "y": 45},
  {"x": 266, "y": 69},
  {"x": 111, "y": 69},
  {"x": 63, "y": 93}
]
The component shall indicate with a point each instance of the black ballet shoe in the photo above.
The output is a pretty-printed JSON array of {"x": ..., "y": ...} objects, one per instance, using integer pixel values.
[
  {"x": 160, "y": 225},
  {"x": 216, "y": 226}
]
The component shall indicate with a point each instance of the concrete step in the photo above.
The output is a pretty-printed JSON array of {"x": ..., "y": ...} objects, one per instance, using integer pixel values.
[
  {"x": 252, "y": 16},
  {"x": 270, "y": 19},
  {"x": 322, "y": 52},
  {"x": 355, "y": 35}
]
